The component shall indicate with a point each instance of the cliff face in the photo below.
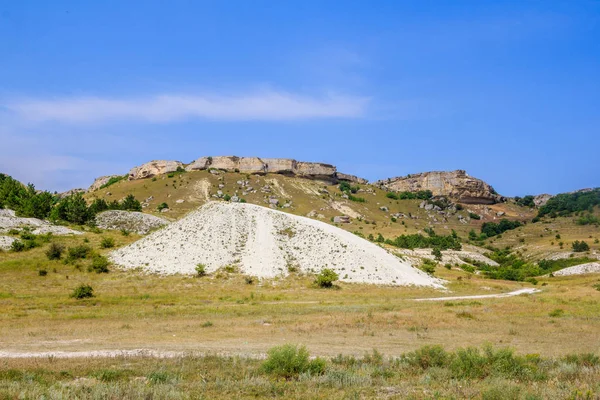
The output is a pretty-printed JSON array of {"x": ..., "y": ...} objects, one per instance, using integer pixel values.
[
  {"x": 457, "y": 185},
  {"x": 255, "y": 165}
]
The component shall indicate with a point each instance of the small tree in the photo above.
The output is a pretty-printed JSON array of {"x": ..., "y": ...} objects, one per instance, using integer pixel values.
[
  {"x": 326, "y": 278},
  {"x": 437, "y": 253}
]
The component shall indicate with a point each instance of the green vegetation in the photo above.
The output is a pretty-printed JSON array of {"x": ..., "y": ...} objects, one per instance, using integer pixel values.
[
  {"x": 200, "y": 270},
  {"x": 588, "y": 219},
  {"x": 24, "y": 200},
  {"x": 526, "y": 201},
  {"x": 428, "y": 266},
  {"x": 55, "y": 251},
  {"x": 162, "y": 206},
  {"x": 566, "y": 204},
  {"x": 289, "y": 361},
  {"x": 345, "y": 187},
  {"x": 107, "y": 243},
  {"x": 418, "y": 241},
  {"x": 99, "y": 264},
  {"x": 74, "y": 208},
  {"x": 82, "y": 291},
  {"x": 580, "y": 246},
  {"x": 489, "y": 229},
  {"x": 357, "y": 199},
  {"x": 289, "y": 373},
  {"x": 420, "y": 195},
  {"x": 326, "y": 278},
  {"x": 474, "y": 216},
  {"x": 113, "y": 180}
]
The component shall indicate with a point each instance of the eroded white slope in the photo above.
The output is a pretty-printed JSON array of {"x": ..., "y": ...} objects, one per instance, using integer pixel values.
[{"x": 264, "y": 243}]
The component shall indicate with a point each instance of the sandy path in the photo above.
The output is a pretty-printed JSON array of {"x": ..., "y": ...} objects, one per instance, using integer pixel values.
[
  {"x": 483, "y": 296},
  {"x": 203, "y": 188}
]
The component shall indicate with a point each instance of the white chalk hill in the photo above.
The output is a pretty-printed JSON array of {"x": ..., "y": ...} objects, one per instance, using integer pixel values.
[{"x": 263, "y": 242}]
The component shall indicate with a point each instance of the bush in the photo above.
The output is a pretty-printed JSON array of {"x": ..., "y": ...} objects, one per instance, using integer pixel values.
[
  {"x": 579, "y": 247},
  {"x": 82, "y": 292},
  {"x": 326, "y": 278},
  {"x": 428, "y": 266},
  {"x": 107, "y": 243},
  {"x": 79, "y": 252},
  {"x": 289, "y": 361},
  {"x": 17, "y": 246},
  {"x": 490, "y": 229},
  {"x": 100, "y": 264},
  {"x": 437, "y": 253},
  {"x": 55, "y": 251},
  {"x": 474, "y": 216},
  {"x": 42, "y": 272},
  {"x": 427, "y": 357},
  {"x": 201, "y": 270}
]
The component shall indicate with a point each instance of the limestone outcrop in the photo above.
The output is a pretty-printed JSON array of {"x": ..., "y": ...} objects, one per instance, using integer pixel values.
[
  {"x": 541, "y": 199},
  {"x": 457, "y": 185},
  {"x": 284, "y": 166},
  {"x": 99, "y": 182},
  {"x": 153, "y": 168}
]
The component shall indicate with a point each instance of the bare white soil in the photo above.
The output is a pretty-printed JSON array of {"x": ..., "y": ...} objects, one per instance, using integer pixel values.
[
  {"x": 132, "y": 221},
  {"x": 8, "y": 221},
  {"x": 6, "y": 242},
  {"x": 265, "y": 243},
  {"x": 589, "y": 268}
]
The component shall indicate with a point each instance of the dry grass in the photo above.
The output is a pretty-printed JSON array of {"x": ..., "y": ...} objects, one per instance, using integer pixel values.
[{"x": 132, "y": 310}]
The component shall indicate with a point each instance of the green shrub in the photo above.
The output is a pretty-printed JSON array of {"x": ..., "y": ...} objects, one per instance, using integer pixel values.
[
  {"x": 82, "y": 291},
  {"x": 107, "y": 243},
  {"x": 79, "y": 252},
  {"x": 162, "y": 206},
  {"x": 200, "y": 270},
  {"x": 579, "y": 247},
  {"x": 42, "y": 272},
  {"x": 474, "y": 216},
  {"x": 100, "y": 264},
  {"x": 428, "y": 357},
  {"x": 289, "y": 361},
  {"x": 326, "y": 278},
  {"x": 55, "y": 251},
  {"x": 467, "y": 268},
  {"x": 17, "y": 246},
  {"x": 428, "y": 266}
]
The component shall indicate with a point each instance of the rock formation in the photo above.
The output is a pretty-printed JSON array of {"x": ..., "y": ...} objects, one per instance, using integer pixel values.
[
  {"x": 541, "y": 199},
  {"x": 103, "y": 180},
  {"x": 153, "y": 168},
  {"x": 457, "y": 185},
  {"x": 255, "y": 165}
]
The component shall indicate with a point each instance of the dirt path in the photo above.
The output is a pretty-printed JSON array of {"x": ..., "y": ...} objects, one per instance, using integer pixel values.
[{"x": 483, "y": 296}]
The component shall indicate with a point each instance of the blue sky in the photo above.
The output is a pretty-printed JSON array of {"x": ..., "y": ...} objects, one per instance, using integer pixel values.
[{"x": 508, "y": 90}]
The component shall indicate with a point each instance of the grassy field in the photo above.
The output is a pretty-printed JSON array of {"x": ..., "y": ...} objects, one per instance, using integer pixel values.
[{"x": 218, "y": 328}]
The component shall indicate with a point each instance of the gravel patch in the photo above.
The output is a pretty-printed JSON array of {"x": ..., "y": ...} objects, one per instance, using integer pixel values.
[
  {"x": 132, "y": 221},
  {"x": 265, "y": 243},
  {"x": 589, "y": 268}
]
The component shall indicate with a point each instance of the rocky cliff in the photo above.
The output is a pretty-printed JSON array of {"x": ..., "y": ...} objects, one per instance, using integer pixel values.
[
  {"x": 248, "y": 165},
  {"x": 457, "y": 185}
]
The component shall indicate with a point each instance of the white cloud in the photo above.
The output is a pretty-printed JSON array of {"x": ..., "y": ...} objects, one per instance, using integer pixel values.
[{"x": 173, "y": 107}]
